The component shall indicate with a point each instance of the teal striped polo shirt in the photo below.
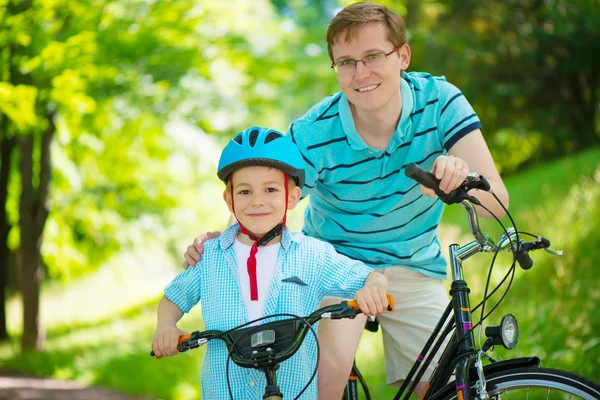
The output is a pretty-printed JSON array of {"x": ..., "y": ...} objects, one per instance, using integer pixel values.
[{"x": 360, "y": 200}]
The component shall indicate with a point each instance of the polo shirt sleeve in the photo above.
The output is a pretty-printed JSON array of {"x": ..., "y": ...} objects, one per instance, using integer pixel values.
[
  {"x": 185, "y": 289},
  {"x": 299, "y": 131},
  {"x": 456, "y": 117},
  {"x": 341, "y": 276}
]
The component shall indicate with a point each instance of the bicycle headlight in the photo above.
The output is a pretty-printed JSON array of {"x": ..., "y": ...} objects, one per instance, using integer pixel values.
[
  {"x": 506, "y": 334},
  {"x": 510, "y": 331}
]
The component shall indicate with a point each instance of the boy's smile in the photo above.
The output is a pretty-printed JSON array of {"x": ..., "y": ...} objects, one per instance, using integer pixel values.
[{"x": 259, "y": 199}]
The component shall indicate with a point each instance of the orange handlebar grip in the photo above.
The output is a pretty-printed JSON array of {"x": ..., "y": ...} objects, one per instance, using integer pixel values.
[
  {"x": 354, "y": 304},
  {"x": 390, "y": 299},
  {"x": 183, "y": 338}
]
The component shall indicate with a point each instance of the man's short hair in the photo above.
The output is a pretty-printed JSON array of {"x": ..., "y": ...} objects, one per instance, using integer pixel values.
[{"x": 350, "y": 19}]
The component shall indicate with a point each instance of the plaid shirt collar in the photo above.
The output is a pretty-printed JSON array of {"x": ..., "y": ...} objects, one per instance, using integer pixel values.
[{"x": 227, "y": 238}]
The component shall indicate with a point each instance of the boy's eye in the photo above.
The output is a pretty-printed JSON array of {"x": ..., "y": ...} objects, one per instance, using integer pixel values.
[
  {"x": 271, "y": 190},
  {"x": 373, "y": 56},
  {"x": 244, "y": 192},
  {"x": 347, "y": 62}
]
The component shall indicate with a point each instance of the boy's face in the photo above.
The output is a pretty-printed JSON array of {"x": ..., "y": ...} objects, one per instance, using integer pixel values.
[
  {"x": 371, "y": 89},
  {"x": 259, "y": 198}
]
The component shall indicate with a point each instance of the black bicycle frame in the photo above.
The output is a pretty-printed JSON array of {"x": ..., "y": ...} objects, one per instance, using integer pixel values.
[{"x": 459, "y": 354}]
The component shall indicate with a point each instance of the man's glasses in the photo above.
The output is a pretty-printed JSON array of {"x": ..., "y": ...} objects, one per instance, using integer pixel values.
[{"x": 346, "y": 67}]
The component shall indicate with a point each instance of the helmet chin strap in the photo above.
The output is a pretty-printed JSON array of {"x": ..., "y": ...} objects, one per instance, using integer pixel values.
[{"x": 267, "y": 237}]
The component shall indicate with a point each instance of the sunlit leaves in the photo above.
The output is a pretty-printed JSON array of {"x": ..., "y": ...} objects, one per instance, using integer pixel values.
[{"x": 18, "y": 104}]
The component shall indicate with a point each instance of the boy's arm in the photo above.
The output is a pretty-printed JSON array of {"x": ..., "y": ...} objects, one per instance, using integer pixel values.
[
  {"x": 372, "y": 298},
  {"x": 343, "y": 277},
  {"x": 167, "y": 334}
]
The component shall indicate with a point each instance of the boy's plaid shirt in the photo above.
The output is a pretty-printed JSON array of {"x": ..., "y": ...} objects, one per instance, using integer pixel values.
[{"x": 214, "y": 283}]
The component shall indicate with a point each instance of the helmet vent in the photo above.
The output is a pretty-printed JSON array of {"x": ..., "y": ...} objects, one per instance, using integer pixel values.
[
  {"x": 238, "y": 139},
  {"x": 252, "y": 137},
  {"x": 272, "y": 136}
]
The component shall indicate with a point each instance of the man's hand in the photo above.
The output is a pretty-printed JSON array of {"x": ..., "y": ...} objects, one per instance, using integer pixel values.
[
  {"x": 451, "y": 172},
  {"x": 165, "y": 340},
  {"x": 194, "y": 251},
  {"x": 372, "y": 298}
]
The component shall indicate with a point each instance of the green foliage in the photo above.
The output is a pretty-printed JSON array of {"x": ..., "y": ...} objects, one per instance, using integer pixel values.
[
  {"x": 528, "y": 67},
  {"x": 17, "y": 103}
]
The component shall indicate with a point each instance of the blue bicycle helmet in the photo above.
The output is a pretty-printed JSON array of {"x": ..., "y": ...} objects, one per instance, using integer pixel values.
[{"x": 261, "y": 147}]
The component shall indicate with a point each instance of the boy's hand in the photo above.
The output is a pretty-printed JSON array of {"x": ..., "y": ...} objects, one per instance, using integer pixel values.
[
  {"x": 194, "y": 251},
  {"x": 165, "y": 341},
  {"x": 372, "y": 299}
]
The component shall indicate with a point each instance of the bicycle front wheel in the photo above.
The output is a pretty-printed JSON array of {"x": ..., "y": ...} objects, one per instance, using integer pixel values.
[{"x": 532, "y": 384}]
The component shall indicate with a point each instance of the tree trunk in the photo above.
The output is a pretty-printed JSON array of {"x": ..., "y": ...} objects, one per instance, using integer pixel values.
[
  {"x": 6, "y": 148},
  {"x": 34, "y": 212}
]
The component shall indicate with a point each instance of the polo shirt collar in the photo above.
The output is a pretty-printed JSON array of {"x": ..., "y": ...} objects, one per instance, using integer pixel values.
[{"x": 356, "y": 142}]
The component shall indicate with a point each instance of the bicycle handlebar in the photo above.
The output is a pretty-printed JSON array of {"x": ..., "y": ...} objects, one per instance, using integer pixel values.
[
  {"x": 460, "y": 195},
  {"x": 246, "y": 354}
]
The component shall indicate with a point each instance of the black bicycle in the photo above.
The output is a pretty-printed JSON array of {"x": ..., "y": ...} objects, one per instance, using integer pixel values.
[
  {"x": 263, "y": 347},
  {"x": 460, "y": 372}
]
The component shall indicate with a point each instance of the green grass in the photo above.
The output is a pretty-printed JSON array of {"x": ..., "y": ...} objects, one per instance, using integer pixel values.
[{"x": 99, "y": 329}]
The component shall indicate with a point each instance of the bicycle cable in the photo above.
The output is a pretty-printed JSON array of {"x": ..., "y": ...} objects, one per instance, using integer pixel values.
[
  {"x": 294, "y": 317},
  {"x": 489, "y": 277},
  {"x": 511, "y": 270}
]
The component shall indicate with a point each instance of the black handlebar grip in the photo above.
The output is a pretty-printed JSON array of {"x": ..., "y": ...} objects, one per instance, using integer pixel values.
[
  {"x": 484, "y": 184},
  {"x": 524, "y": 260},
  {"x": 422, "y": 176}
]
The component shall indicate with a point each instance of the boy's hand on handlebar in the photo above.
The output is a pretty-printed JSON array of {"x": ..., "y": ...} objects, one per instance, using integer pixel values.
[
  {"x": 194, "y": 251},
  {"x": 372, "y": 299},
  {"x": 451, "y": 172},
  {"x": 166, "y": 340}
]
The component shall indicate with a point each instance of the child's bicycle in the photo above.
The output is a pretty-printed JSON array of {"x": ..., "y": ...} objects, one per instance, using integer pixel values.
[
  {"x": 264, "y": 347},
  {"x": 519, "y": 378}
]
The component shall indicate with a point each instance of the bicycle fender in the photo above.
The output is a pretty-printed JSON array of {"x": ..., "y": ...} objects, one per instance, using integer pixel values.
[{"x": 531, "y": 362}]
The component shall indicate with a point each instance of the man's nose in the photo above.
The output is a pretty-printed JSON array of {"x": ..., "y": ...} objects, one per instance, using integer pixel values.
[{"x": 361, "y": 71}]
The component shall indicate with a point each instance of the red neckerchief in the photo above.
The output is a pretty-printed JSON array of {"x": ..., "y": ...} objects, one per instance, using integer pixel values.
[{"x": 276, "y": 231}]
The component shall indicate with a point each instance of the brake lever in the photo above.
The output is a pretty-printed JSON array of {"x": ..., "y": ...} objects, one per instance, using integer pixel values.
[
  {"x": 191, "y": 344},
  {"x": 345, "y": 311}
]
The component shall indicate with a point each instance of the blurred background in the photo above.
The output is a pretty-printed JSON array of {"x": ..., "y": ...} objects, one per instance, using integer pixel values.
[{"x": 113, "y": 115}]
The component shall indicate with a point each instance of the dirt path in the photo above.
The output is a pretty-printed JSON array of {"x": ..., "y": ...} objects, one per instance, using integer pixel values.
[{"x": 16, "y": 385}]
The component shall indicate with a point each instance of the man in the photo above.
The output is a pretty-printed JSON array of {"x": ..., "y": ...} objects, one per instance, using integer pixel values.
[{"x": 355, "y": 145}]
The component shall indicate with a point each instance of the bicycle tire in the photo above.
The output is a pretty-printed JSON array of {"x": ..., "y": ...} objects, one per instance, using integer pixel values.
[{"x": 533, "y": 383}]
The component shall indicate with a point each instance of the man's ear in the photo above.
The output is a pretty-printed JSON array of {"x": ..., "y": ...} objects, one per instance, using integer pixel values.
[
  {"x": 404, "y": 53},
  {"x": 294, "y": 197},
  {"x": 227, "y": 198}
]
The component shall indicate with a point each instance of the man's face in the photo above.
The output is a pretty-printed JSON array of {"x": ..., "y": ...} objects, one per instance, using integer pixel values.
[
  {"x": 371, "y": 89},
  {"x": 259, "y": 198}
]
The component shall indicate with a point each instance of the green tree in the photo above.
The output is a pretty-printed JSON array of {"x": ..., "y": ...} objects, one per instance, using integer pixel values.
[
  {"x": 63, "y": 64},
  {"x": 531, "y": 69}
]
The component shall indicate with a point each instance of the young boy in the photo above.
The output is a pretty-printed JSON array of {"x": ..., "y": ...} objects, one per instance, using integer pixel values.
[{"x": 257, "y": 267}]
